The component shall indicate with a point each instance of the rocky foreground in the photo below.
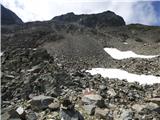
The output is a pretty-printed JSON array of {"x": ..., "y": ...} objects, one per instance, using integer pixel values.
[{"x": 34, "y": 84}]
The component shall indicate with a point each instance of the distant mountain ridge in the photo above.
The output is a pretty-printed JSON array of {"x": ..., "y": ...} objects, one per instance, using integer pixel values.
[
  {"x": 8, "y": 17},
  {"x": 103, "y": 19}
]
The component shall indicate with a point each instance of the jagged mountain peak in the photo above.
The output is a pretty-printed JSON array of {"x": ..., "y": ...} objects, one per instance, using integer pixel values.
[
  {"x": 8, "y": 17},
  {"x": 107, "y": 18}
]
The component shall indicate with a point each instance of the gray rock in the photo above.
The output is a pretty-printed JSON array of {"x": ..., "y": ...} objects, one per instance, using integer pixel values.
[
  {"x": 101, "y": 104},
  {"x": 102, "y": 87},
  {"x": 31, "y": 115},
  {"x": 155, "y": 100},
  {"x": 41, "y": 102},
  {"x": 101, "y": 113},
  {"x": 11, "y": 115},
  {"x": 21, "y": 112},
  {"x": 90, "y": 109},
  {"x": 91, "y": 98},
  {"x": 126, "y": 115},
  {"x": 150, "y": 106},
  {"x": 111, "y": 92},
  {"x": 54, "y": 106},
  {"x": 138, "y": 107},
  {"x": 70, "y": 114}
]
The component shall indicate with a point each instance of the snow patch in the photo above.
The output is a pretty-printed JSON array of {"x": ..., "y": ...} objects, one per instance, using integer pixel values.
[
  {"x": 1, "y": 53},
  {"x": 121, "y": 74},
  {"x": 117, "y": 54}
]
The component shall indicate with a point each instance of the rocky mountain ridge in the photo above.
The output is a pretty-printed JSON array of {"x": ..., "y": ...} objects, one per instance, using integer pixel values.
[
  {"x": 8, "y": 17},
  {"x": 104, "y": 19},
  {"x": 44, "y": 63}
]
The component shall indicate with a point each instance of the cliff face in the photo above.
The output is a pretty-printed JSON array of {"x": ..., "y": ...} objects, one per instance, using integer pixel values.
[
  {"x": 104, "y": 19},
  {"x": 8, "y": 17}
]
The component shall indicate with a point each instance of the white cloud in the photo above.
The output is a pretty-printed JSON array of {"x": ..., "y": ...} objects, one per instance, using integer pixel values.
[{"x": 131, "y": 10}]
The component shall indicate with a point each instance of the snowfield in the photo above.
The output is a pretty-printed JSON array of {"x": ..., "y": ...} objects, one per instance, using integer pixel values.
[
  {"x": 119, "y": 55},
  {"x": 121, "y": 74}
]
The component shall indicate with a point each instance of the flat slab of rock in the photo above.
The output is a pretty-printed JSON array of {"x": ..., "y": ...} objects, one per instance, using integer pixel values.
[
  {"x": 101, "y": 113},
  {"x": 91, "y": 98},
  {"x": 150, "y": 106},
  {"x": 41, "y": 102},
  {"x": 54, "y": 106},
  {"x": 155, "y": 100}
]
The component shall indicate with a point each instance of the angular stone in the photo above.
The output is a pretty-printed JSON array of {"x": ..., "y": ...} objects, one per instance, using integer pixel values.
[
  {"x": 127, "y": 114},
  {"x": 54, "y": 106},
  {"x": 11, "y": 115},
  {"x": 155, "y": 100},
  {"x": 41, "y": 102},
  {"x": 91, "y": 98},
  {"x": 68, "y": 114},
  {"x": 31, "y": 116},
  {"x": 90, "y": 109},
  {"x": 111, "y": 92},
  {"x": 101, "y": 104},
  {"x": 21, "y": 112},
  {"x": 101, "y": 113},
  {"x": 138, "y": 107},
  {"x": 150, "y": 106}
]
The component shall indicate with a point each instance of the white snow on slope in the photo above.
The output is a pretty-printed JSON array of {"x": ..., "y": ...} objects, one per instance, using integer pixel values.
[
  {"x": 121, "y": 74},
  {"x": 117, "y": 54}
]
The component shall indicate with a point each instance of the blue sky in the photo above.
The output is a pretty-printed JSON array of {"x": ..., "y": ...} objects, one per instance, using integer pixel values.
[
  {"x": 133, "y": 11},
  {"x": 156, "y": 5}
]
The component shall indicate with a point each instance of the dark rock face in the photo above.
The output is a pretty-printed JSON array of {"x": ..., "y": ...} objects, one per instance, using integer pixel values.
[
  {"x": 104, "y": 19},
  {"x": 8, "y": 17}
]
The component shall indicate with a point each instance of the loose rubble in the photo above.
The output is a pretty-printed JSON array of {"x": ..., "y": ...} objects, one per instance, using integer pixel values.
[{"x": 34, "y": 86}]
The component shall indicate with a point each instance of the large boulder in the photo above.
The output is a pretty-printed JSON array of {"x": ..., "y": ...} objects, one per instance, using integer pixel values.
[{"x": 41, "y": 102}]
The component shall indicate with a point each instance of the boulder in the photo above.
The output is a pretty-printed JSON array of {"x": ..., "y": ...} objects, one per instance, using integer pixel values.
[
  {"x": 111, "y": 92},
  {"x": 91, "y": 98},
  {"x": 101, "y": 113},
  {"x": 31, "y": 115},
  {"x": 150, "y": 106},
  {"x": 127, "y": 114},
  {"x": 90, "y": 109},
  {"x": 41, "y": 102},
  {"x": 54, "y": 106},
  {"x": 21, "y": 112}
]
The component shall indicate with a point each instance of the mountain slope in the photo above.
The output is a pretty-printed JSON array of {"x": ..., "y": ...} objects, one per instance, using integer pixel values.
[{"x": 8, "y": 17}]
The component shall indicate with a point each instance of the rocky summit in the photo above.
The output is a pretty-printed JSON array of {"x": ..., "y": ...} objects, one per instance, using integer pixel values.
[
  {"x": 8, "y": 17},
  {"x": 43, "y": 69},
  {"x": 104, "y": 19}
]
